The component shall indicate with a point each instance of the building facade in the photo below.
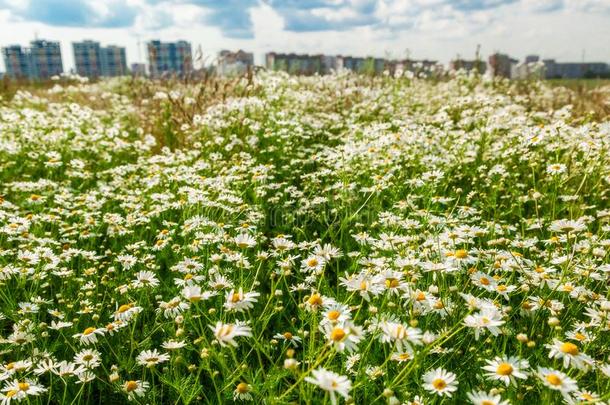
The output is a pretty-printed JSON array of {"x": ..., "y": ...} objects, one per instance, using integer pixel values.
[
  {"x": 45, "y": 59},
  {"x": 87, "y": 58},
  {"x": 93, "y": 60},
  {"x": 502, "y": 65},
  {"x": 40, "y": 61},
  {"x": 16, "y": 61},
  {"x": 169, "y": 58},
  {"x": 234, "y": 63},
  {"x": 113, "y": 61}
]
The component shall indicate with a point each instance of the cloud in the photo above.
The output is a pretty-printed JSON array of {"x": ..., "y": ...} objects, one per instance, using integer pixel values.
[{"x": 74, "y": 13}]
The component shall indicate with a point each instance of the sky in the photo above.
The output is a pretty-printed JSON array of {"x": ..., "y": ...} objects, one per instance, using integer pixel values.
[{"x": 566, "y": 30}]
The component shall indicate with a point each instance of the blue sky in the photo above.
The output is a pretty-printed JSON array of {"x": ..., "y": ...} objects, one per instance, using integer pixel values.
[{"x": 436, "y": 29}]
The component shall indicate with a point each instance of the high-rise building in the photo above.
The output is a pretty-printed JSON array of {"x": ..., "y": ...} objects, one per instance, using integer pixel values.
[
  {"x": 113, "y": 61},
  {"x": 45, "y": 59},
  {"x": 41, "y": 60},
  {"x": 16, "y": 61},
  {"x": 87, "y": 58},
  {"x": 169, "y": 58},
  {"x": 93, "y": 60}
]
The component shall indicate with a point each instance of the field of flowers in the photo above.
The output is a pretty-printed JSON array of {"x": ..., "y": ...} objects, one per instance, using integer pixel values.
[{"x": 337, "y": 239}]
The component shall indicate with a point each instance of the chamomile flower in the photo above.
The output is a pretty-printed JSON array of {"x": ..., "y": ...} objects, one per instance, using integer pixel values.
[
  {"x": 570, "y": 353},
  {"x": 225, "y": 333},
  {"x": 440, "y": 381},
  {"x": 151, "y": 358},
  {"x": 506, "y": 369},
  {"x": 331, "y": 382},
  {"x": 556, "y": 380},
  {"x": 484, "y": 398},
  {"x": 135, "y": 388}
]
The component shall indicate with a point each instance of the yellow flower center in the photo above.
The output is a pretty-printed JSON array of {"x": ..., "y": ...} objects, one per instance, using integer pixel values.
[
  {"x": 288, "y": 335},
  {"x": 391, "y": 283},
  {"x": 313, "y": 262},
  {"x": 439, "y": 384},
  {"x": 235, "y": 298},
  {"x": 553, "y": 379},
  {"x": 124, "y": 308},
  {"x": 315, "y": 299},
  {"x": 502, "y": 288},
  {"x": 23, "y": 386},
  {"x": 131, "y": 386},
  {"x": 569, "y": 348},
  {"x": 242, "y": 388},
  {"x": 580, "y": 336},
  {"x": 11, "y": 393},
  {"x": 333, "y": 315},
  {"x": 484, "y": 281},
  {"x": 461, "y": 254},
  {"x": 504, "y": 369},
  {"x": 337, "y": 334},
  {"x": 88, "y": 331}
]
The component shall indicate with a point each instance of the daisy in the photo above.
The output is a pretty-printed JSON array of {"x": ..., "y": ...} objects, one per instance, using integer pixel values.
[
  {"x": 88, "y": 358},
  {"x": 484, "y": 398},
  {"x": 225, "y": 333},
  {"x": 506, "y": 369},
  {"x": 570, "y": 353},
  {"x": 240, "y": 301},
  {"x": 440, "y": 381},
  {"x": 336, "y": 313},
  {"x": 126, "y": 311},
  {"x": 557, "y": 380},
  {"x": 242, "y": 392},
  {"x": 344, "y": 336},
  {"x": 173, "y": 307},
  {"x": 135, "y": 388},
  {"x": 173, "y": 345},
  {"x": 244, "y": 241},
  {"x": 402, "y": 336},
  {"x": 331, "y": 382},
  {"x": 89, "y": 335},
  {"x": 313, "y": 264},
  {"x": 364, "y": 284},
  {"x": 18, "y": 390},
  {"x": 145, "y": 279},
  {"x": 151, "y": 358},
  {"x": 288, "y": 337},
  {"x": 566, "y": 226},
  {"x": 555, "y": 169},
  {"x": 487, "y": 319}
]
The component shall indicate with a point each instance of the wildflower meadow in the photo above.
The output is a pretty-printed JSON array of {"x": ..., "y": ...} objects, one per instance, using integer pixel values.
[{"x": 275, "y": 239}]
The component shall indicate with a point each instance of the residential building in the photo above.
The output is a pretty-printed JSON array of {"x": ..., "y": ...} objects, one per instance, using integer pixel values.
[
  {"x": 93, "y": 60},
  {"x": 113, "y": 61},
  {"x": 45, "y": 59},
  {"x": 502, "y": 65},
  {"x": 555, "y": 70},
  {"x": 16, "y": 62},
  {"x": 234, "y": 63},
  {"x": 87, "y": 58},
  {"x": 173, "y": 58},
  {"x": 40, "y": 61}
]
